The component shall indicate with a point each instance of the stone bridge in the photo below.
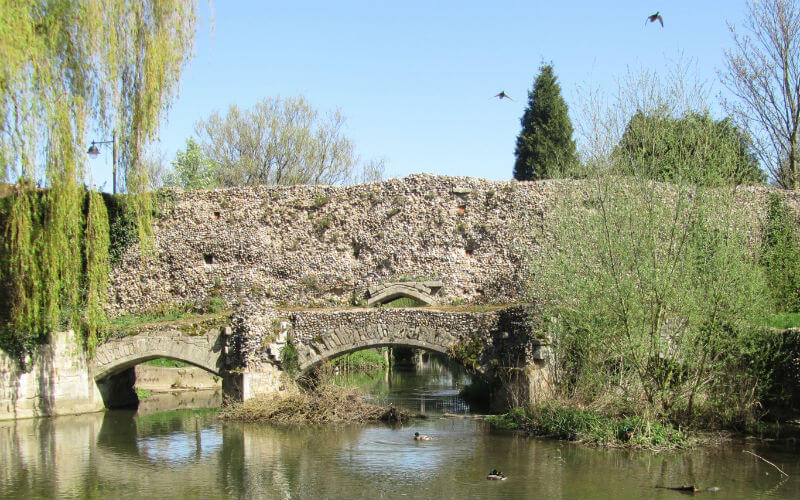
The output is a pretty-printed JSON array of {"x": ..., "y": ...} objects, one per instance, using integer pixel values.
[
  {"x": 205, "y": 350},
  {"x": 202, "y": 344},
  {"x": 497, "y": 343}
]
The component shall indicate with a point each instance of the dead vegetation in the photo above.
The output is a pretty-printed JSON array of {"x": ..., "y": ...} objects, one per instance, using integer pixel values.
[{"x": 323, "y": 405}]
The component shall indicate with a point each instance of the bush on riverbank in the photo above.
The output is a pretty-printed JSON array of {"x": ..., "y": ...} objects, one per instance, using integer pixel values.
[
  {"x": 323, "y": 405},
  {"x": 653, "y": 294},
  {"x": 560, "y": 421}
]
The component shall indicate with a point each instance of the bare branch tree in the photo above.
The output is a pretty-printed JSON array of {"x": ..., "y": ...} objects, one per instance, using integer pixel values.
[
  {"x": 763, "y": 72},
  {"x": 280, "y": 141}
]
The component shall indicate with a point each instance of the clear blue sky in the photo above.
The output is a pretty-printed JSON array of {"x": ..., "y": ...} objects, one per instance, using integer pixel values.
[{"x": 415, "y": 79}]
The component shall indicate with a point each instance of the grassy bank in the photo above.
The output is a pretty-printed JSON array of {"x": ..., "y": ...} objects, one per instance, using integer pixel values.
[
  {"x": 324, "y": 405},
  {"x": 562, "y": 421}
]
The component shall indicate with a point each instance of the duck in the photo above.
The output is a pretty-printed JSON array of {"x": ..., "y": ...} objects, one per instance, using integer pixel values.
[
  {"x": 496, "y": 475},
  {"x": 421, "y": 437},
  {"x": 626, "y": 434}
]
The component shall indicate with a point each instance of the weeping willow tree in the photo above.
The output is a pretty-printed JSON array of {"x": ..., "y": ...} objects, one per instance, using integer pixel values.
[{"x": 65, "y": 66}]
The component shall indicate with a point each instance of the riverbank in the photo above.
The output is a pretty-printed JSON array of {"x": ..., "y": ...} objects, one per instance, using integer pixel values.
[{"x": 563, "y": 421}]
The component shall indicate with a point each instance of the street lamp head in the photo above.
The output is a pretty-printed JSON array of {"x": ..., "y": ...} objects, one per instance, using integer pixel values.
[{"x": 93, "y": 151}]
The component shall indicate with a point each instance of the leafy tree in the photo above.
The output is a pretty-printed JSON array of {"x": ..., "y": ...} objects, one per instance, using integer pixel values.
[
  {"x": 763, "y": 71},
  {"x": 63, "y": 65},
  {"x": 192, "y": 169},
  {"x": 279, "y": 141},
  {"x": 695, "y": 149},
  {"x": 544, "y": 146},
  {"x": 653, "y": 292}
]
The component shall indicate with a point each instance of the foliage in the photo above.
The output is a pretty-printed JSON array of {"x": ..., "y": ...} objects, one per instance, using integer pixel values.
[
  {"x": 468, "y": 351},
  {"x": 143, "y": 394},
  {"x": 783, "y": 321},
  {"x": 545, "y": 147},
  {"x": 192, "y": 169},
  {"x": 167, "y": 363},
  {"x": 122, "y": 230},
  {"x": 289, "y": 358},
  {"x": 653, "y": 291},
  {"x": 363, "y": 361},
  {"x": 163, "y": 313},
  {"x": 65, "y": 64},
  {"x": 763, "y": 69},
  {"x": 694, "y": 148},
  {"x": 562, "y": 421},
  {"x": 780, "y": 255},
  {"x": 95, "y": 274},
  {"x": 214, "y": 305},
  {"x": 280, "y": 141}
]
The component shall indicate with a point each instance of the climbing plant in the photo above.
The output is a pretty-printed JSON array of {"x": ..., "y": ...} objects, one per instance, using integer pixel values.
[{"x": 66, "y": 65}]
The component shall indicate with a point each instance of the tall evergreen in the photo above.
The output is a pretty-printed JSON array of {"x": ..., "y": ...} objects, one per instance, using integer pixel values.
[{"x": 544, "y": 146}]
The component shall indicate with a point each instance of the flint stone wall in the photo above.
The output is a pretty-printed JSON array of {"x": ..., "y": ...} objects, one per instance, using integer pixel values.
[{"x": 326, "y": 245}]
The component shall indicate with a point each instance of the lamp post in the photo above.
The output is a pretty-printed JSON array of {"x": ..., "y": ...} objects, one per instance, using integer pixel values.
[{"x": 93, "y": 151}]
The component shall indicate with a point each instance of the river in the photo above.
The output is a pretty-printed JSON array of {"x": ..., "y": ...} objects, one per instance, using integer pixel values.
[{"x": 189, "y": 453}]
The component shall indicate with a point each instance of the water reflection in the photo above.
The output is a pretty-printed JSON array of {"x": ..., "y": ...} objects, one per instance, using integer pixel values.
[
  {"x": 191, "y": 454},
  {"x": 430, "y": 386}
]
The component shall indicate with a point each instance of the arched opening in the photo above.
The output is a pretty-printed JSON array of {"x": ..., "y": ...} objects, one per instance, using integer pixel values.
[
  {"x": 158, "y": 383},
  {"x": 421, "y": 380}
]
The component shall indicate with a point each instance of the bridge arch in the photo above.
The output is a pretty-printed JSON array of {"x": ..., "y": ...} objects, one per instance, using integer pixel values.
[
  {"x": 465, "y": 337},
  {"x": 117, "y": 355},
  {"x": 314, "y": 362}
]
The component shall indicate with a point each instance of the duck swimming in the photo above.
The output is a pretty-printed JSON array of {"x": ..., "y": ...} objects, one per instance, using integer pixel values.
[
  {"x": 421, "y": 437},
  {"x": 496, "y": 475}
]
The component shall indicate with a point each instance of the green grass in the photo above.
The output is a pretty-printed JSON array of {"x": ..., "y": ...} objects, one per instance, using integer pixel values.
[
  {"x": 169, "y": 313},
  {"x": 166, "y": 363},
  {"x": 784, "y": 320}
]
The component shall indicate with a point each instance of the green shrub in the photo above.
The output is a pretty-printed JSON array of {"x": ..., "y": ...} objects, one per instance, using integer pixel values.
[
  {"x": 214, "y": 305},
  {"x": 289, "y": 358},
  {"x": 574, "y": 424},
  {"x": 780, "y": 255},
  {"x": 649, "y": 293}
]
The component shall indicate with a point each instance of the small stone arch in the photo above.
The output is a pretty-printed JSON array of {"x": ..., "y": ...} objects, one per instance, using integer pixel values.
[
  {"x": 422, "y": 291},
  {"x": 310, "y": 362}
]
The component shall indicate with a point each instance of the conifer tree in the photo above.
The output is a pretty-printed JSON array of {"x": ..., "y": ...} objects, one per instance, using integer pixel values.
[{"x": 544, "y": 146}]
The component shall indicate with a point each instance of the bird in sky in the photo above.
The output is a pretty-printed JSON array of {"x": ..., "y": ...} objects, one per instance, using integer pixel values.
[
  {"x": 502, "y": 95},
  {"x": 655, "y": 17}
]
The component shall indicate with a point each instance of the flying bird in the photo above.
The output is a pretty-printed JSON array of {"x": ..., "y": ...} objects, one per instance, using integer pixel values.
[
  {"x": 655, "y": 17},
  {"x": 502, "y": 95}
]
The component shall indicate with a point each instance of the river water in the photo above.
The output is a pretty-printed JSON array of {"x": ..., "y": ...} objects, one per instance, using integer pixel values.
[{"x": 189, "y": 453}]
